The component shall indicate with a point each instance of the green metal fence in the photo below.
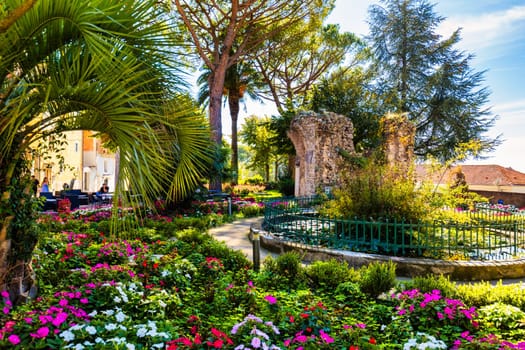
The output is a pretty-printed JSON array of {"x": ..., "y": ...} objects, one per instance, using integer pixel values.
[{"x": 488, "y": 235}]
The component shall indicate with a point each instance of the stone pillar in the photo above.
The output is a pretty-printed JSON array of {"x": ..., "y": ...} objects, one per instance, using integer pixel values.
[
  {"x": 399, "y": 137},
  {"x": 318, "y": 141}
]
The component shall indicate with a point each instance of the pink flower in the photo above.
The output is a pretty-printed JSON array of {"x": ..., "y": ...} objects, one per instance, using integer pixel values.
[
  {"x": 326, "y": 338},
  {"x": 42, "y": 332},
  {"x": 4, "y": 294},
  {"x": 270, "y": 299},
  {"x": 59, "y": 319},
  {"x": 14, "y": 339}
]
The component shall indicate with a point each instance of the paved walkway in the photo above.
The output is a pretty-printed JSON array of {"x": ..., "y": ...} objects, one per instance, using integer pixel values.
[{"x": 235, "y": 235}]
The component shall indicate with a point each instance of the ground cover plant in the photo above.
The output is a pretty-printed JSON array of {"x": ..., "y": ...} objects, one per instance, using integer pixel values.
[{"x": 167, "y": 284}]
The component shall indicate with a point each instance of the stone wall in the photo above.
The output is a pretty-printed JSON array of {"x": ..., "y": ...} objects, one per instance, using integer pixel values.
[{"x": 319, "y": 140}]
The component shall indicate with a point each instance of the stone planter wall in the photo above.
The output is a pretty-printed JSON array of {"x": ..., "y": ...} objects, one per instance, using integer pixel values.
[{"x": 405, "y": 267}]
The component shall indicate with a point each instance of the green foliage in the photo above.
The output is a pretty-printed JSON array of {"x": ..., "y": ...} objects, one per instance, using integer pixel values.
[
  {"x": 426, "y": 76},
  {"x": 284, "y": 272},
  {"x": 327, "y": 275},
  {"x": 507, "y": 320},
  {"x": 429, "y": 283},
  {"x": 377, "y": 191},
  {"x": 252, "y": 210},
  {"x": 350, "y": 293},
  {"x": 484, "y": 293},
  {"x": 378, "y": 278},
  {"x": 286, "y": 186},
  {"x": 348, "y": 92}
]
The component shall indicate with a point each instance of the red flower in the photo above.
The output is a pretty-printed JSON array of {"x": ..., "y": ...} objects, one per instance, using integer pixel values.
[
  {"x": 144, "y": 263},
  {"x": 353, "y": 347},
  {"x": 372, "y": 340},
  {"x": 155, "y": 265}
]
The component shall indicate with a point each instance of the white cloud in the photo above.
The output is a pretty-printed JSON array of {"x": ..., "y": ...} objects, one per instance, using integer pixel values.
[{"x": 481, "y": 31}]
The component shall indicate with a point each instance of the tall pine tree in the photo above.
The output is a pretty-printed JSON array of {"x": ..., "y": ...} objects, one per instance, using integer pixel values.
[{"x": 425, "y": 76}]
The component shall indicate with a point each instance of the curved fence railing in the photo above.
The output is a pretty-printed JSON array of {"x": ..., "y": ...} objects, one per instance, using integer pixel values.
[{"x": 488, "y": 235}]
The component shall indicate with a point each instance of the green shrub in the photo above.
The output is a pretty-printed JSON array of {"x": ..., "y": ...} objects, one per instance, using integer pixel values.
[
  {"x": 429, "y": 283},
  {"x": 252, "y": 210},
  {"x": 233, "y": 260},
  {"x": 484, "y": 293},
  {"x": 327, "y": 275},
  {"x": 378, "y": 191},
  {"x": 503, "y": 319},
  {"x": 286, "y": 186},
  {"x": 284, "y": 272},
  {"x": 378, "y": 278},
  {"x": 350, "y": 294}
]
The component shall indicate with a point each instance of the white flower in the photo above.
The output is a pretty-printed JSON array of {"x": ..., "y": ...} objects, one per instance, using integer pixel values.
[
  {"x": 99, "y": 340},
  {"x": 141, "y": 332},
  {"x": 158, "y": 346},
  {"x": 93, "y": 314},
  {"x": 91, "y": 330},
  {"x": 130, "y": 346},
  {"x": 110, "y": 326},
  {"x": 88, "y": 344},
  {"x": 163, "y": 335},
  {"x": 67, "y": 335},
  {"x": 108, "y": 312},
  {"x": 120, "y": 316},
  {"x": 132, "y": 286},
  {"x": 76, "y": 327},
  {"x": 79, "y": 347},
  {"x": 165, "y": 273},
  {"x": 117, "y": 300},
  {"x": 116, "y": 340},
  {"x": 162, "y": 304},
  {"x": 152, "y": 333}
]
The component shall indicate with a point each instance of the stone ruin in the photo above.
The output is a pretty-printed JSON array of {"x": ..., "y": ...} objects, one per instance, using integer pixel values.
[
  {"x": 321, "y": 139},
  {"x": 398, "y": 141}
]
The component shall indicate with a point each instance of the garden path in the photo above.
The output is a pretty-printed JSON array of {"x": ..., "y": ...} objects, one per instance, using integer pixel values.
[{"x": 236, "y": 236}]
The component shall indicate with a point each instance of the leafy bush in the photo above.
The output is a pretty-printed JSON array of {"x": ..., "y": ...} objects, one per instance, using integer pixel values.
[
  {"x": 377, "y": 191},
  {"x": 252, "y": 210},
  {"x": 284, "y": 272},
  {"x": 350, "y": 294},
  {"x": 507, "y": 320},
  {"x": 327, "y": 275},
  {"x": 429, "y": 283},
  {"x": 378, "y": 278},
  {"x": 484, "y": 293},
  {"x": 286, "y": 186}
]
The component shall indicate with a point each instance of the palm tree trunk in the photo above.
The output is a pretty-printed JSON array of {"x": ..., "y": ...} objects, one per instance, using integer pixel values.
[
  {"x": 216, "y": 86},
  {"x": 233, "y": 101}
]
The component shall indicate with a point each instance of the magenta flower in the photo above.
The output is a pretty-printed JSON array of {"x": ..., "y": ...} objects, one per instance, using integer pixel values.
[
  {"x": 270, "y": 299},
  {"x": 326, "y": 338},
  {"x": 59, "y": 319},
  {"x": 14, "y": 339},
  {"x": 42, "y": 332}
]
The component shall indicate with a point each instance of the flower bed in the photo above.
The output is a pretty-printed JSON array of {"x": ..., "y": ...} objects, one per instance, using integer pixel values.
[{"x": 165, "y": 286}]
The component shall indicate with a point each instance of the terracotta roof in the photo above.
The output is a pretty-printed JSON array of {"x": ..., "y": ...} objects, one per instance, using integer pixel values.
[{"x": 491, "y": 175}]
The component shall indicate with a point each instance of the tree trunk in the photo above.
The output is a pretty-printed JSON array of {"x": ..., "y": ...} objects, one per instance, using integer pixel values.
[
  {"x": 233, "y": 101},
  {"x": 216, "y": 86},
  {"x": 18, "y": 238}
]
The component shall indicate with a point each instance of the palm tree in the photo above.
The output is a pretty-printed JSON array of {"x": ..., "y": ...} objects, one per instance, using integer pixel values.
[
  {"x": 106, "y": 66},
  {"x": 241, "y": 79}
]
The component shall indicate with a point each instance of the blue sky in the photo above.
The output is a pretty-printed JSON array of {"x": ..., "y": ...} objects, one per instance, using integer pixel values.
[{"x": 494, "y": 31}]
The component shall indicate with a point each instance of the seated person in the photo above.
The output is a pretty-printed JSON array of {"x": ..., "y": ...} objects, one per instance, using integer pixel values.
[{"x": 103, "y": 190}]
